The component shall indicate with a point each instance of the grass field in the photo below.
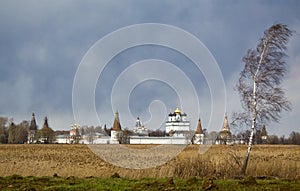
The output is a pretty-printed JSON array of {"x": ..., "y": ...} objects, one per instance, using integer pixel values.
[
  {"x": 220, "y": 162},
  {"x": 16, "y": 182}
]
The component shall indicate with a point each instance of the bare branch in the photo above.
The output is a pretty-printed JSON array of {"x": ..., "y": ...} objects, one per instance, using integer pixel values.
[{"x": 267, "y": 66}]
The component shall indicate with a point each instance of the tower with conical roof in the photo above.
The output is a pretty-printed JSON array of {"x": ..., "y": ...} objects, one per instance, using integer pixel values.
[
  {"x": 46, "y": 123},
  {"x": 116, "y": 131},
  {"x": 117, "y": 125},
  {"x": 33, "y": 125},
  {"x": 199, "y": 127},
  {"x": 32, "y": 129},
  {"x": 264, "y": 134},
  {"x": 199, "y": 135},
  {"x": 46, "y": 133},
  {"x": 224, "y": 136}
]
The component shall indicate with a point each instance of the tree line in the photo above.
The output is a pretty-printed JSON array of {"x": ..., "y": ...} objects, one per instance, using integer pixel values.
[{"x": 11, "y": 133}]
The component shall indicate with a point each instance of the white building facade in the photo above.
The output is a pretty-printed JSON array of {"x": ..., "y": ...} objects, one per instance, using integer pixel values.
[
  {"x": 177, "y": 122},
  {"x": 159, "y": 140},
  {"x": 177, "y": 127},
  {"x": 140, "y": 129}
]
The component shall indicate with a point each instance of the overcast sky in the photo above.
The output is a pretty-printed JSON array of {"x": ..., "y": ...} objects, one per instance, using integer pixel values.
[{"x": 43, "y": 42}]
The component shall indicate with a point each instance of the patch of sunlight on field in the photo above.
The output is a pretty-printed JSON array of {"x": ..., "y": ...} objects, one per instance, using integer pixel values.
[{"x": 133, "y": 158}]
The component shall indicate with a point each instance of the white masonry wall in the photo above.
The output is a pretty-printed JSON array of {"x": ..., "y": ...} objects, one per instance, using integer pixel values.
[{"x": 158, "y": 140}]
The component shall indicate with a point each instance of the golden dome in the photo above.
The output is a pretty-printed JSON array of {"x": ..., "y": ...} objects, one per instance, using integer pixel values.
[{"x": 177, "y": 111}]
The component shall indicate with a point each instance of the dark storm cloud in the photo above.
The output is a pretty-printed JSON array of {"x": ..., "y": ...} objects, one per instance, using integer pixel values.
[{"x": 43, "y": 42}]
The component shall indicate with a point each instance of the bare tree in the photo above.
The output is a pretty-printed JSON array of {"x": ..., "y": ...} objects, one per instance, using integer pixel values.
[
  {"x": 17, "y": 134},
  {"x": 294, "y": 138},
  {"x": 262, "y": 97},
  {"x": 3, "y": 130}
]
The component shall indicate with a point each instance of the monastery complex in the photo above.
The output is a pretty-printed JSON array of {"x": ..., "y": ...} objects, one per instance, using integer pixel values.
[{"x": 177, "y": 131}]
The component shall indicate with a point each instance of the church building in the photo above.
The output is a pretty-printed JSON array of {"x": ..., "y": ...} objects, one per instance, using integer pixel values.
[
  {"x": 177, "y": 128},
  {"x": 140, "y": 129},
  {"x": 177, "y": 123}
]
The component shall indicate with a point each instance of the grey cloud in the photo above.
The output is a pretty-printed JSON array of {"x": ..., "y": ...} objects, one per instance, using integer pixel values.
[{"x": 43, "y": 42}]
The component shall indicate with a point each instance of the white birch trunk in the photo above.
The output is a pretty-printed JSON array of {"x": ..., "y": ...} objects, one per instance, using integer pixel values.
[{"x": 254, "y": 112}]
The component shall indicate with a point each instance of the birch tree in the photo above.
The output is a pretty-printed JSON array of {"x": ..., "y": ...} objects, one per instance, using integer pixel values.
[{"x": 262, "y": 97}]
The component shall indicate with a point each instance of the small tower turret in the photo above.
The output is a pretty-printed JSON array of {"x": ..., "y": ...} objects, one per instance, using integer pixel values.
[
  {"x": 264, "y": 134},
  {"x": 32, "y": 130},
  {"x": 225, "y": 124},
  {"x": 116, "y": 131},
  {"x": 199, "y": 136},
  {"x": 33, "y": 125},
  {"x": 117, "y": 125},
  {"x": 46, "y": 122},
  {"x": 199, "y": 127},
  {"x": 224, "y": 136},
  {"x": 46, "y": 133},
  {"x": 138, "y": 122}
]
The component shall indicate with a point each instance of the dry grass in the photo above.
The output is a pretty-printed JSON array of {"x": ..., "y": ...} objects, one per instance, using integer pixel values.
[{"x": 220, "y": 161}]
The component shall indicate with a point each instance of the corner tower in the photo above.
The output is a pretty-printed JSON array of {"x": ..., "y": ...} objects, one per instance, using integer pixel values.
[
  {"x": 116, "y": 130},
  {"x": 199, "y": 135},
  {"x": 224, "y": 136}
]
